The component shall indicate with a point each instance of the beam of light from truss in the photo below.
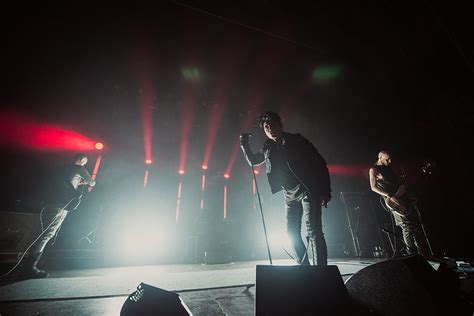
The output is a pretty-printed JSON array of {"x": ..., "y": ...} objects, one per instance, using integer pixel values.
[
  {"x": 187, "y": 116},
  {"x": 267, "y": 67},
  {"x": 192, "y": 76},
  {"x": 145, "y": 179},
  {"x": 203, "y": 190},
  {"x": 18, "y": 130},
  {"x": 95, "y": 172},
  {"x": 217, "y": 109},
  {"x": 178, "y": 201},
  {"x": 146, "y": 99},
  {"x": 225, "y": 201},
  {"x": 228, "y": 64}
]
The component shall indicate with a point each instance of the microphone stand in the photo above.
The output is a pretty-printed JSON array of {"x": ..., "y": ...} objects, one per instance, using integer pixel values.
[
  {"x": 404, "y": 176},
  {"x": 263, "y": 218},
  {"x": 397, "y": 237}
]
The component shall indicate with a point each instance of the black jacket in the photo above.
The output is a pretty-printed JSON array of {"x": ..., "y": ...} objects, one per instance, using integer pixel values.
[{"x": 303, "y": 160}]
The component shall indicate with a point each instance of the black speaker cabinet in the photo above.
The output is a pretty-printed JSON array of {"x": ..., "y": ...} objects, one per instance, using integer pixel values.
[
  {"x": 149, "y": 300},
  {"x": 300, "y": 290},
  {"x": 405, "y": 286}
]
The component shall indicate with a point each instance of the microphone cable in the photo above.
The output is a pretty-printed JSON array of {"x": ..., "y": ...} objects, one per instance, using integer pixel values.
[{"x": 2, "y": 277}]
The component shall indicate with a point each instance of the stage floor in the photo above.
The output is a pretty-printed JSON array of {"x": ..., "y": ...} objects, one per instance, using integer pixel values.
[{"x": 220, "y": 289}]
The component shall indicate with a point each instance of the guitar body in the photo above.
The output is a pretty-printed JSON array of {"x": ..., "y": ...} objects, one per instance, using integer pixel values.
[{"x": 399, "y": 205}]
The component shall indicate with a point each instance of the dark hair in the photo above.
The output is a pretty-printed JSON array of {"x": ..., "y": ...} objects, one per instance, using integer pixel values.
[
  {"x": 79, "y": 157},
  {"x": 269, "y": 117}
]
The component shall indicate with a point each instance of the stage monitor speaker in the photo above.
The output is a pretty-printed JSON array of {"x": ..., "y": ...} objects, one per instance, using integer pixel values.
[
  {"x": 149, "y": 300},
  {"x": 404, "y": 286},
  {"x": 300, "y": 290}
]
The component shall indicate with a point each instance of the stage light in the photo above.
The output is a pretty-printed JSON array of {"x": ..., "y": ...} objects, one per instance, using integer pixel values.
[
  {"x": 204, "y": 167},
  {"x": 327, "y": 72},
  {"x": 226, "y": 175},
  {"x": 99, "y": 146},
  {"x": 148, "y": 161},
  {"x": 18, "y": 130},
  {"x": 191, "y": 73},
  {"x": 181, "y": 172},
  {"x": 256, "y": 171}
]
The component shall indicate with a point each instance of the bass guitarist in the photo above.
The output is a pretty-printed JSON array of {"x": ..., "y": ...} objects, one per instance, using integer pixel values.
[{"x": 387, "y": 184}]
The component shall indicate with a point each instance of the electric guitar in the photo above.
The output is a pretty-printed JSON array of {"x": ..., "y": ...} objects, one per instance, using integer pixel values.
[{"x": 400, "y": 204}]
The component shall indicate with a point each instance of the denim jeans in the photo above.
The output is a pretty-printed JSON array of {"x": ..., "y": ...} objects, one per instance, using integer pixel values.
[
  {"x": 412, "y": 232},
  {"x": 300, "y": 205},
  {"x": 52, "y": 219}
]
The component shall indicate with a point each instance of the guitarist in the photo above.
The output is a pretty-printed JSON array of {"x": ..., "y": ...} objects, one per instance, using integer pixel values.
[
  {"x": 64, "y": 195},
  {"x": 387, "y": 184}
]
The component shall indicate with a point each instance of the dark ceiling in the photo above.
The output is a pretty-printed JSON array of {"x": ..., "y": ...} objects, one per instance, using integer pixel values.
[{"x": 391, "y": 75}]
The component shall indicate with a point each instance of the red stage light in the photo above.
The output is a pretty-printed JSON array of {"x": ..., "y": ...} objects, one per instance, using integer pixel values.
[
  {"x": 256, "y": 171},
  {"x": 226, "y": 175},
  {"x": 145, "y": 179},
  {"x": 181, "y": 172},
  {"x": 148, "y": 161},
  {"x": 225, "y": 201},
  {"x": 99, "y": 146},
  {"x": 18, "y": 130},
  {"x": 178, "y": 202},
  {"x": 354, "y": 170},
  {"x": 144, "y": 71},
  {"x": 96, "y": 170},
  {"x": 204, "y": 167}
]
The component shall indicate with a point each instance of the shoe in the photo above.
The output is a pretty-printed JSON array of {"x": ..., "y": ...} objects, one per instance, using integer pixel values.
[{"x": 29, "y": 270}]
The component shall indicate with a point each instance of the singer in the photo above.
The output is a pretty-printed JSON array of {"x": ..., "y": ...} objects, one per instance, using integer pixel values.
[
  {"x": 295, "y": 166},
  {"x": 64, "y": 195}
]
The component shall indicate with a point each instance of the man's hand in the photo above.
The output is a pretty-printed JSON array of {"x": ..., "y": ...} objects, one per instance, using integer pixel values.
[
  {"x": 84, "y": 182},
  {"x": 402, "y": 189},
  {"x": 244, "y": 138},
  {"x": 324, "y": 200}
]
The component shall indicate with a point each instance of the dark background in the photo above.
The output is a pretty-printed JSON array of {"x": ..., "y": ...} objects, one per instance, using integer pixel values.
[{"x": 403, "y": 82}]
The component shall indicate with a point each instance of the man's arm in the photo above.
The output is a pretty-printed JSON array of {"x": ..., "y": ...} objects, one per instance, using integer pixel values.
[
  {"x": 86, "y": 176},
  {"x": 373, "y": 182},
  {"x": 321, "y": 169},
  {"x": 322, "y": 166},
  {"x": 252, "y": 159}
]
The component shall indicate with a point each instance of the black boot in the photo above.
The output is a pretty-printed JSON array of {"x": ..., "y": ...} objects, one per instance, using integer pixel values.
[{"x": 29, "y": 269}]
